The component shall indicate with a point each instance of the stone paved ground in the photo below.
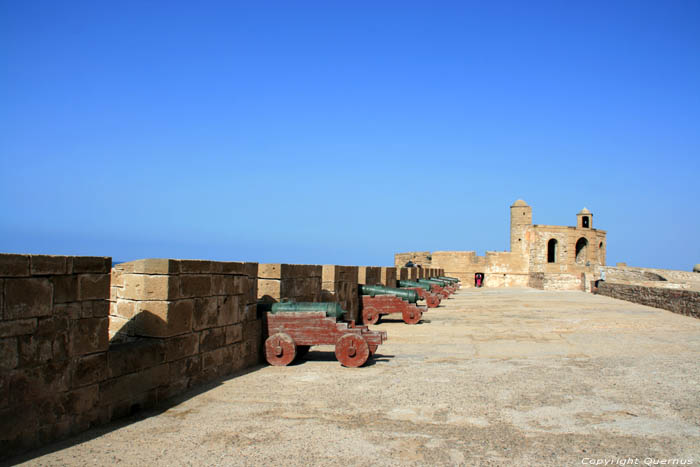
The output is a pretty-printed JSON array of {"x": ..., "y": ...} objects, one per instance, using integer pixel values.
[{"x": 494, "y": 377}]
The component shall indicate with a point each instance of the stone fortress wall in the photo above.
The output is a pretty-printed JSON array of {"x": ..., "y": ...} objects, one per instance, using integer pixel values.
[
  {"x": 83, "y": 343},
  {"x": 541, "y": 256}
]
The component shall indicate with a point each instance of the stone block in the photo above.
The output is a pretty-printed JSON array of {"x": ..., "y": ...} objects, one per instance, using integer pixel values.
[
  {"x": 195, "y": 285},
  {"x": 149, "y": 287},
  {"x": 217, "y": 359},
  {"x": 211, "y": 339},
  {"x": 269, "y": 290},
  {"x": 27, "y": 298},
  {"x": 234, "y": 333},
  {"x": 270, "y": 271},
  {"x": 125, "y": 309},
  {"x": 205, "y": 313},
  {"x": 14, "y": 265},
  {"x": 122, "y": 326},
  {"x": 65, "y": 288},
  {"x": 89, "y": 336},
  {"x": 229, "y": 310},
  {"x": 89, "y": 264},
  {"x": 72, "y": 310},
  {"x": 150, "y": 266},
  {"x": 30, "y": 384},
  {"x": 195, "y": 266},
  {"x": 164, "y": 319},
  {"x": 185, "y": 368},
  {"x": 34, "y": 350},
  {"x": 181, "y": 346},
  {"x": 93, "y": 287},
  {"x": 45, "y": 265},
  {"x": 90, "y": 369},
  {"x": 223, "y": 284},
  {"x": 133, "y": 357},
  {"x": 232, "y": 268},
  {"x": 9, "y": 353},
  {"x": 129, "y": 387},
  {"x": 18, "y": 327}
]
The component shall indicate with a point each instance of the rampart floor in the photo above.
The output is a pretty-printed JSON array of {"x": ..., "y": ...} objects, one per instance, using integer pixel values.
[{"x": 493, "y": 377}]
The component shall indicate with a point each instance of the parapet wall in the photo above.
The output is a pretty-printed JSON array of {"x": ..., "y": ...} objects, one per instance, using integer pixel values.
[
  {"x": 296, "y": 282},
  {"x": 340, "y": 285},
  {"x": 684, "y": 302},
  {"x": 176, "y": 324}
]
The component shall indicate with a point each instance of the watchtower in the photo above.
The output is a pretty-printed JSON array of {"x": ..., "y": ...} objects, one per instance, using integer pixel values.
[{"x": 520, "y": 220}]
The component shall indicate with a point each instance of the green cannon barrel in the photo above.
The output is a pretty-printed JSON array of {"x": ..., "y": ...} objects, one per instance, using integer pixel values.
[
  {"x": 331, "y": 309},
  {"x": 444, "y": 281},
  {"x": 432, "y": 282},
  {"x": 414, "y": 284},
  {"x": 411, "y": 296},
  {"x": 454, "y": 280}
]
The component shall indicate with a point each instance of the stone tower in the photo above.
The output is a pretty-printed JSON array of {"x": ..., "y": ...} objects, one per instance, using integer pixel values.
[
  {"x": 520, "y": 222},
  {"x": 584, "y": 219}
]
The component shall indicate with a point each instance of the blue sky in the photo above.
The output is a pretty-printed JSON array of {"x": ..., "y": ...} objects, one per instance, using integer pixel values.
[{"x": 343, "y": 132}]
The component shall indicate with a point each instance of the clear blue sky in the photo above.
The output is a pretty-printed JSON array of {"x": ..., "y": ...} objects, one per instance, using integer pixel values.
[{"x": 343, "y": 132}]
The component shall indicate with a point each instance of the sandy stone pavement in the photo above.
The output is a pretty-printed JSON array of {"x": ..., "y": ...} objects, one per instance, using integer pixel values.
[{"x": 492, "y": 377}]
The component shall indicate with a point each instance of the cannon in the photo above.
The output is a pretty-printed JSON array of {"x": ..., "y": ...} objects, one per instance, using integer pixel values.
[
  {"x": 423, "y": 290},
  {"x": 455, "y": 281},
  {"x": 292, "y": 329},
  {"x": 449, "y": 285},
  {"x": 378, "y": 300},
  {"x": 437, "y": 287}
]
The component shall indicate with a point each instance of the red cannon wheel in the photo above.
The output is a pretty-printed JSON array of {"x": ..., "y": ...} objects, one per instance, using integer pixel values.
[
  {"x": 352, "y": 350},
  {"x": 370, "y": 315},
  {"x": 412, "y": 315},
  {"x": 433, "y": 301},
  {"x": 280, "y": 349}
]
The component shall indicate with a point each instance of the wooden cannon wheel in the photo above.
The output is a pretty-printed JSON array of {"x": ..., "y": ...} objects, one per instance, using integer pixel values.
[
  {"x": 433, "y": 301},
  {"x": 280, "y": 349},
  {"x": 370, "y": 315},
  {"x": 352, "y": 350},
  {"x": 412, "y": 315}
]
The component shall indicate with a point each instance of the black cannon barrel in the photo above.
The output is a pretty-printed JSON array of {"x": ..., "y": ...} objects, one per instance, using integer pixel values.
[
  {"x": 411, "y": 296},
  {"x": 414, "y": 285},
  {"x": 331, "y": 309}
]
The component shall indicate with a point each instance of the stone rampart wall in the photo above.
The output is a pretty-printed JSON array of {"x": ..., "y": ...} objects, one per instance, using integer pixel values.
[
  {"x": 684, "y": 302},
  {"x": 340, "y": 285},
  {"x": 176, "y": 324}
]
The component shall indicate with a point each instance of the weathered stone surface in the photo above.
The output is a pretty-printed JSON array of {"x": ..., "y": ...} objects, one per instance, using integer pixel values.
[
  {"x": 124, "y": 388},
  {"x": 9, "y": 354},
  {"x": 28, "y": 384},
  {"x": 149, "y": 287},
  {"x": 684, "y": 302},
  {"x": 229, "y": 310},
  {"x": 26, "y": 298},
  {"x": 89, "y": 336},
  {"x": 135, "y": 356},
  {"x": 14, "y": 265},
  {"x": 195, "y": 285},
  {"x": 205, "y": 313},
  {"x": 44, "y": 265},
  {"x": 212, "y": 339},
  {"x": 195, "y": 266},
  {"x": 181, "y": 346},
  {"x": 93, "y": 286},
  {"x": 90, "y": 369},
  {"x": 164, "y": 319},
  {"x": 89, "y": 264},
  {"x": 17, "y": 327},
  {"x": 234, "y": 333},
  {"x": 150, "y": 266},
  {"x": 65, "y": 288},
  {"x": 222, "y": 284}
]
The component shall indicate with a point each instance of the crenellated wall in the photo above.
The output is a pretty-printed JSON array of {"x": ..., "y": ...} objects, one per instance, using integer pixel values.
[
  {"x": 176, "y": 324},
  {"x": 340, "y": 285}
]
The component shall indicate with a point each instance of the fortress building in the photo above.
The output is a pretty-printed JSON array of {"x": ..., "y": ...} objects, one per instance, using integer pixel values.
[{"x": 540, "y": 256}]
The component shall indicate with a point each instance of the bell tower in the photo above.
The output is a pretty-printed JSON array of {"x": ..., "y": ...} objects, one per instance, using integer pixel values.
[{"x": 584, "y": 219}]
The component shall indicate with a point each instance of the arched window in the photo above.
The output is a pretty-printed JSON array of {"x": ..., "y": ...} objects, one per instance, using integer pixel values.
[
  {"x": 581, "y": 247},
  {"x": 552, "y": 251},
  {"x": 585, "y": 222},
  {"x": 600, "y": 245}
]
